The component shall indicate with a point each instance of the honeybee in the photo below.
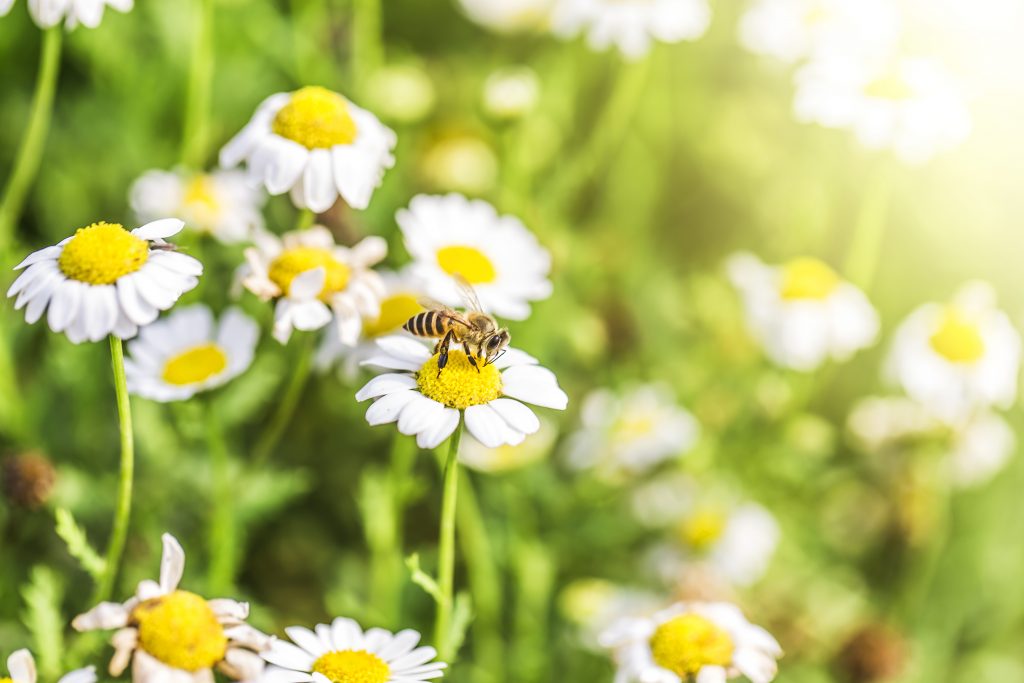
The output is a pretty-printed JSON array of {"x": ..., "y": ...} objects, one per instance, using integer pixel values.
[{"x": 478, "y": 332}]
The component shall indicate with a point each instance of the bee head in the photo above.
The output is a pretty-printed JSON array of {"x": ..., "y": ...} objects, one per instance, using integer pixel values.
[{"x": 496, "y": 344}]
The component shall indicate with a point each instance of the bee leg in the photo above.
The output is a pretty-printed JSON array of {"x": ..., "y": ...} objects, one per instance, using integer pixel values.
[
  {"x": 442, "y": 352},
  {"x": 469, "y": 355}
]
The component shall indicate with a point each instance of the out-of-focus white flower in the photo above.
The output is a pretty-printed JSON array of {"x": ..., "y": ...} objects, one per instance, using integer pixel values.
[
  {"x": 791, "y": 30},
  {"x": 631, "y": 26},
  {"x": 479, "y": 457},
  {"x": 909, "y": 105},
  {"x": 981, "y": 449},
  {"x": 509, "y": 16},
  {"x": 403, "y": 93},
  {"x": 511, "y": 92},
  {"x": 802, "y": 312},
  {"x": 879, "y": 421},
  {"x": 49, "y": 13},
  {"x": 958, "y": 358},
  {"x": 222, "y": 203},
  {"x": 459, "y": 162},
  {"x": 595, "y": 604},
  {"x": 706, "y": 642},
  {"x": 625, "y": 436},
  {"x": 21, "y": 667}
]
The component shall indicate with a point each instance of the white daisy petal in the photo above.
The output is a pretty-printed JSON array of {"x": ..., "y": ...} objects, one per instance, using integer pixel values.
[
  {"x": 160, "y": 229},
  {"x": 484, "y": 423},
  {"x": 534, "y": 384},
  {"x": 388, "y": 408}
]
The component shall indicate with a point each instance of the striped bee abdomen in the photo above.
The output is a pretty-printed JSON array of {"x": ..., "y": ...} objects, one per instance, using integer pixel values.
[{"x": 428, "y": 324}]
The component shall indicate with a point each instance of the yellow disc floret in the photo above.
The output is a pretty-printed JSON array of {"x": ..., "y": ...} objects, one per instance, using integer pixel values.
[
  {"x": 352, "y": 666},
  {"x": 6, "y": 680},
  {"x": 101, "y": 253},
  {"x": 316, "y": 118},
  {"x": 395, "y": 310},
  {"x": 808, "y": 278},
  {"x": 701, "y": 529},
  {"x": 469, "y": 262},
  {"x": 293, "y": 262},
  {"x": 195, "y": 365},
  {"x": 957, "y": 338},
  {"x": 459, "y": 385},
  {"x": 181, "y": 631},
  {"x": 687, "y": 643}
]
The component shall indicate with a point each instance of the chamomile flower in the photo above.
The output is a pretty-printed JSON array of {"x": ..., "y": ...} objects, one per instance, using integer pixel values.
[
  {"x": 631, "y": 26},
  {"x": 341, "y": 652},
  {"x": 21, "y": 668},
  {"x": 169, "y": 634},
  {"x": 709, "y": 642},
  {"x": 222, "y": 203},
  {"x": 105, "y": 280},
  {"x": 314, "y": 281},
  {"x": 506, "y": 458},
  {"x": 909, "y": 105},
  {"x": 316, "y": 144},
  {"x": 596, "y": 604},
  {"x": 958, "y": 358},
  {"x": 49, "y": 13},
  {"x": 450, "y": 234},
  {"x": 791, "y": 30},
  {"x": 186, "y": 353},
  {"x": 625, "y": 436},
  {"x": 429, "y": 404},
  {"x": 802, "y": 312},
  {"x": 508, "y": 16},
  {"x": 981, "y": 449}
]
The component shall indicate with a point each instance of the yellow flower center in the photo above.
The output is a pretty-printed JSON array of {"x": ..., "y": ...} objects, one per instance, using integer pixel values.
[
  {"x": 181, "y": 631},
  {"x": 808, "y": 278},
  {"x": 6, "y": 680},
  {"x": 687, "y": 643},
  {"x": 958, "y": 339},
  {"x": 101, "y": 253},
  {"x": 459, "y": 385},
  {"x": 635, "y": 427},
  {"x": 469, "y": 262},
  {"x": 195, "y": 365},
  {"x": 889, "y": 86},
  {"x": 316, "y": 118},
  {"x": 394, "y": 311},
  {"x": 352, "y": 666},
  {"x": 201, "y": 199},
  {"x": 293, "y": 262},
  {"x": 701, "y": 529}
]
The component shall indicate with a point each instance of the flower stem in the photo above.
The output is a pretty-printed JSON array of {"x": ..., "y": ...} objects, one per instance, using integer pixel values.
[
  {"x": 279, "y": 422},
  {"x": 446, "y": 548},
  {"x": 305, "y": 219},
  {"x": 223, "y": 541},
  {"x": 367, "y": 46},
  {"x": 196, "y": 127},
  {"x": 868, "y": 232},
  {"x": 26, "y": 164},
  {"x": 122, "y": 514}
]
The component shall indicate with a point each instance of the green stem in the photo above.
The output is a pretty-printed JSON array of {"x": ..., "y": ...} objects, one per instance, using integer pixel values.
[
  {"x": 367, "y": 45},
  {"x": 223, "y": 541},
  {"x": 869, "y": 230},
  {"x": 279, "y": 422},
  {"x": 196, "y": 127},
  {"x": 29, "y": 157},
  {"x": 446, "y": 548},
  {"x": 305, "y": 219},
  {"x": 122, "y": 515}
]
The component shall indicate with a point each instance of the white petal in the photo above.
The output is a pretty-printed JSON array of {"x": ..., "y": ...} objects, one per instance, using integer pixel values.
[
  {"x": 487, "y": 426},
  {"x": 45, "y": 254},
  {"x": 307, "y": 285},
  {"x": 534, "y": 384},
  {"x": 104, "y": 616},
  {"x": 441, "y": 430},
  {"x": 22, "y": 667},
  {"x": 99, "y": 306},
  {"x": 161, "y": 229},
  {"x": 64, "y": 305},
  {"x": 419, "y": 414},
  {"x": 518, "y": 416},
  {"x": 86, "y": 675},
  {"x": 136, "y": 308},
  {"x": 387, "y": 408},
  {"x": 307, "y": 640},
  {"x": 288, "y": 656},
  {"x": 318, "y": 181},
  {"x": 385, "y": 384},
  {"x": 172, "y": 564}
]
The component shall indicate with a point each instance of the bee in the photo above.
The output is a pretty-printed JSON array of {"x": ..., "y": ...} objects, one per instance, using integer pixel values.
[{"x": 478, "y": 332}]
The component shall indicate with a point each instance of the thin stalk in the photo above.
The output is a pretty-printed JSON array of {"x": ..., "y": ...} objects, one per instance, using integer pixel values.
[
  {"x": 289, "y": 401},
  {"x": 869, "y": 231},
  {"x": 122, "y": 514},
  {"x": 223, "y": 541},
  {"x": 305, "y": 219},
  {"x": 26, "y": 163},
  {"x": 196, "y": 127},
  {"x": 446, "y": 548},
  {"x": 367, "y": 44}
]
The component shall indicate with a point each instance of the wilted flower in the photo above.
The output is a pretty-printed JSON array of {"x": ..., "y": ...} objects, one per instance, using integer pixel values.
[
  {"x": 222, "y": 203},
  {"x": 802, "y": 312},
  {"x": 170, "y": 634},
  {"x": 314, "y": 280},
  {"x": 88, "y": 13},
  {"x": 341, "y": 652},
  {"x": 27, "y": 479},
  {"x": 631, "y": 26},
  {"x": 187, "y": 352},
  {"x": 105, "y": 280},
  {"x": 316, "y": 144},
  {"x": 22, "y": 669}
]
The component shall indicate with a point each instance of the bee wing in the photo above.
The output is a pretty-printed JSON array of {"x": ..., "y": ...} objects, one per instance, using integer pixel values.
[
  {"x": 431, "y": 304},
  {"x": 468, "y": 294}
]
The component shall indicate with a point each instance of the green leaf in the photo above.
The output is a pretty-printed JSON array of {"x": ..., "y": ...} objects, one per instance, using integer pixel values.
[
  {"x": 43, "y": 619},
  {"x": 423, "y": 579},
  {"x": 78, "y": 544}
]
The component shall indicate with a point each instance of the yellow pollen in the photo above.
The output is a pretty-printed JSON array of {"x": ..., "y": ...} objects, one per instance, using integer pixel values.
[
  {"x": 352, "y": 666},
  {"x": 460, "y": 385},
  {"x": 808, "y": 278},
  {"x": 469, "y": 262},
  {"x": 316, "y": 118},
  {"x": 687, "y": 643},
  {"x": 195, "y": 365},
  {"x": 181, "y": 631},
  {"x": 958, "y": 339},
  {"x": 293, "y": 262},
  {"x": 701, "y": 529},
  {"x": 394, "y": 311},
  {"x": 889, "y": 86},
  {"x": 101, "y": 253},
  {"x": 6, "y": 680}
]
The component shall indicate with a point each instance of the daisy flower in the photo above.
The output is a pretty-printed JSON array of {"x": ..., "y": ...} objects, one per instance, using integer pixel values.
[
  {"x": 506, "y": 458},
  {"x": 802, "y": 312},
  {"x": 981, "y": 449},
  {"x": 958, "y": 358},
  {"x": 631, "y": 26},
  {"x": 596, "y": 604},
  {"x": 314, "y": 280},
  {"x": 21, "y": 667},
  {"x": 341, "y": 652},
  {"x": 709, "y": 642},
  {"x": 498, "y": 255},
  {"x": 624, "y": 436},
  {"x": 49, "y": 13},
  {"x": 169, "y": 634},
  {"x": 222, "y": 203},
  {"x": 186, "y": 353},
  {"x": 316, "y": 144},
  {"x": 791, "y": 30},
  {"x": 105, "y": 280},
  {"x": 508, "y": 16},
  {"x": 909, "y": 105},
  {"x": 429, "y": 404}
]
